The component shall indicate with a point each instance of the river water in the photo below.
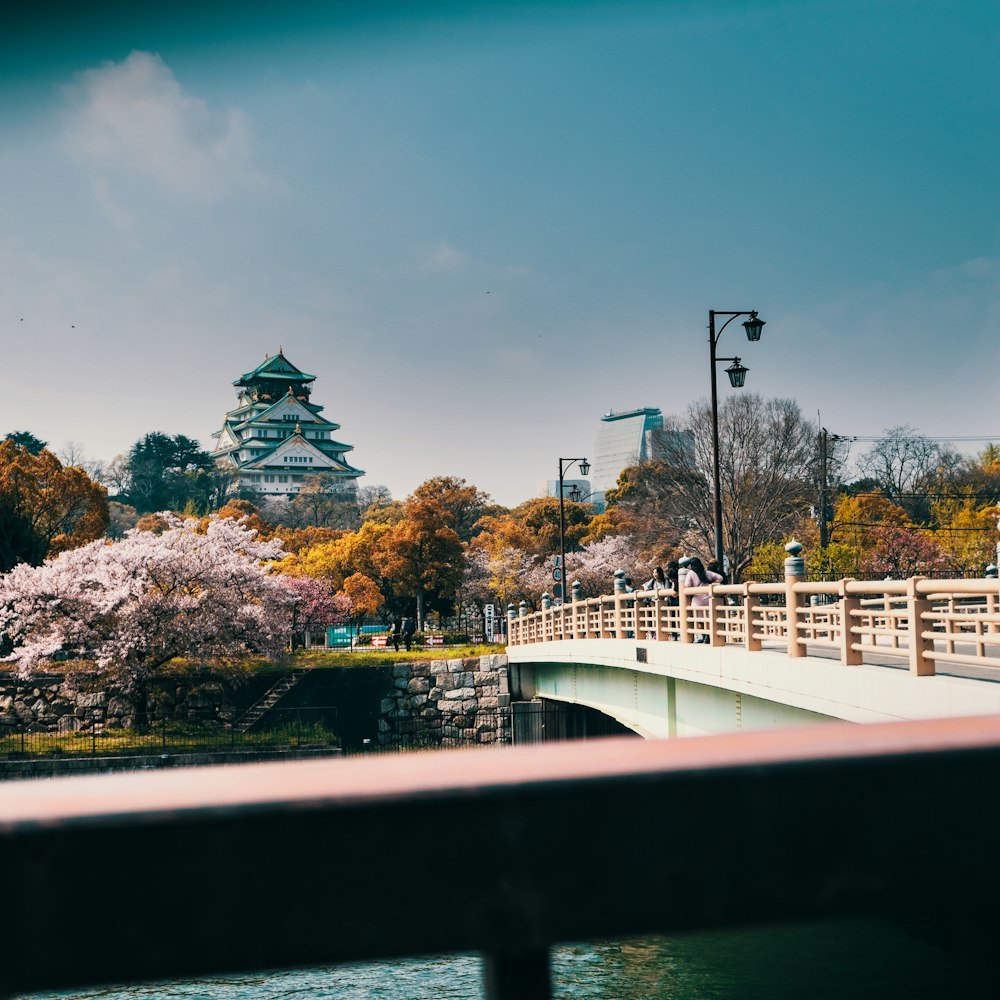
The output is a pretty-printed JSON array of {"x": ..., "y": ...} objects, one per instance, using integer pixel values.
[{"x": 856, "y": 959}]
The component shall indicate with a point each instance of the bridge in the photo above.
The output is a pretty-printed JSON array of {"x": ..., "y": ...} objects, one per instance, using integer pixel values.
[{"x": 766, "y": 655}]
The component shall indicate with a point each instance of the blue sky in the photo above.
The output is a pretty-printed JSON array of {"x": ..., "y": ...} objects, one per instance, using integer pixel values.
[{"x": 482, "y": 227}]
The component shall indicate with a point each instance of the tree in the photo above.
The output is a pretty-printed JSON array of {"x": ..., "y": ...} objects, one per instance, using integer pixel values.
[
  {"x": 857, "y": 519},
  {"x": 464, "y": 503},
  {"x": 364, "y": 596},
  {"x": 540, "y": 517},
  {"x": 372, "y": 496},
  {"x": 903, "y": 462},
  {"x": 904, "y": 552},
  {"x": 315, "y": 606},
  {"x": 162, "y": 472},
  {"x": 422, "y": 555},
  {"x": 767, "y": 455},
  {"x": 26, "y": 440},
  {"x": 45, "y": 508},
  {"x": 131, "y": 606},
  {"x": 966, "y": 530},
  {"x": 322, "y": 503}
]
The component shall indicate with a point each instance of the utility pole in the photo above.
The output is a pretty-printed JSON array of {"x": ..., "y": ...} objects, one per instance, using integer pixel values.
[{"x": 823, "y": 444}]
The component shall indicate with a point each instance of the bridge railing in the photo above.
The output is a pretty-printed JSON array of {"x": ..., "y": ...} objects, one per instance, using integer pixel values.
[
  {"x": 802, "y": 851},
  {"x": 919, "y": 622}
]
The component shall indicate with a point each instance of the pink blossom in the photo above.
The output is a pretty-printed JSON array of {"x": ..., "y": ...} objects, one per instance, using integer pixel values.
[{"x": 134, "y": 604}]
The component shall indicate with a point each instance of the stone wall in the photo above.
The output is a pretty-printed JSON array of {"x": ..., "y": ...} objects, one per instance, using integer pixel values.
[
  {"x": 447, "y": 703},
  {"x": 429, "y": 702},
  {"x": 56, "y": 703}
]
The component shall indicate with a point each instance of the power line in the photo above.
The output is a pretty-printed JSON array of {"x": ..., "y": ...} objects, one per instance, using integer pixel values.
[{"x": 868, "y": 438}]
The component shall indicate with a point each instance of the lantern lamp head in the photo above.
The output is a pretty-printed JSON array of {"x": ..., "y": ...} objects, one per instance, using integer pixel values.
[
  {"x": 753, "y": 327},
  {"x": 737, "y": 374}
]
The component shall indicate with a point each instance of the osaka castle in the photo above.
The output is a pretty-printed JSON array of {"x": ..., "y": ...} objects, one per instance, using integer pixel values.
[{"x": 276, "y": 438}]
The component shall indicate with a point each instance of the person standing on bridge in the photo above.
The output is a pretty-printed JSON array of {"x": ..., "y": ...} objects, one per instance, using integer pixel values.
[{"x": 698, "y": 576}]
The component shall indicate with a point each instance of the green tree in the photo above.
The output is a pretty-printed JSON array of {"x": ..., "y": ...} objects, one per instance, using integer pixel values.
[
  {"x": 162, "y": 472},
  {"x": 27, "y": 440}
]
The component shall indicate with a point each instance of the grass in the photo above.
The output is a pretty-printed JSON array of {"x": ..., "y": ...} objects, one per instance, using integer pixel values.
[{"x": 366, "y": 657}]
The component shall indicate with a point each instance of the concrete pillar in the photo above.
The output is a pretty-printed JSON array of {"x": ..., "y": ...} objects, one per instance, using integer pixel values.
[
  {"x": 795, "y": 570},
  {"x": 546, "y": 601},
  {"x": 577, "y": 594}
]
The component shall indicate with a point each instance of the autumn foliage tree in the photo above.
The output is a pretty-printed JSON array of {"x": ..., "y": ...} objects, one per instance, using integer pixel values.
[
  {"x": 422, "y": 554},
  {"x": 45, "y": 507}
]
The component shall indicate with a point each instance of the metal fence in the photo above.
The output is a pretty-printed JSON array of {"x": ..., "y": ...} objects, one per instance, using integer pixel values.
[
  {"x": 283, "y": 728},
  {"x": 315, "y": 728}
]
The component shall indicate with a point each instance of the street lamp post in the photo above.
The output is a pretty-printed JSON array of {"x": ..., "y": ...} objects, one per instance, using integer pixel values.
[
  {"x": 564, "y": 464},
  {"x": 737, "y": 376}
]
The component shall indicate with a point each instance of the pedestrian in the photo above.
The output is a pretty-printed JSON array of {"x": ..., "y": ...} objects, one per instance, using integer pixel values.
[
  {"x": 394, "y": 634},
  {"x": 697, "y": 576},
  {"x": 714, "y": 567},
  {"x": 673, "y": 600},
  {"x": 409, "y": 627}
]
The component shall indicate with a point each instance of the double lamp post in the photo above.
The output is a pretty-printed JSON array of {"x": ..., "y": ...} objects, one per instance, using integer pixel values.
[
  {"x": 564, "y": 465},
  {"x": 737, "y": 376},
  {"x": 737, "y": 373}
]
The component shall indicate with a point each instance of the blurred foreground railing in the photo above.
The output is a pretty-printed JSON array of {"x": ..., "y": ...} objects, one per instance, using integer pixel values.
[
  {"x": 920, "y": 622},
  {"x": 569, "y": 842}
]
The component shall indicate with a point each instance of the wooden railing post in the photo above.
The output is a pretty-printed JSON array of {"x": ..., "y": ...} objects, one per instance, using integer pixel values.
[
  {"x": 750, "y": 641},
  {"x": 714, "y": 639},
  {"x": 619, "y": 619},
  {"x": 683, "y": 625},
  {"x": 849, "y": 656},
  {"x": 795, "y": 570},
  {"x": 916, "y": 606}
]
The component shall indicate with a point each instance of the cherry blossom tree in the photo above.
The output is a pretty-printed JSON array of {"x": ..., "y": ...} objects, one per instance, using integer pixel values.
[
  {"x": 906, "y": 552},
  {"x": 315, "y": 606},
  {"x": 132, "y": 605}
]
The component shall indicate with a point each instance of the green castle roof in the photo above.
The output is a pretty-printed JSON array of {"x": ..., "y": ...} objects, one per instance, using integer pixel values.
[{"x": 278, "y": 368}]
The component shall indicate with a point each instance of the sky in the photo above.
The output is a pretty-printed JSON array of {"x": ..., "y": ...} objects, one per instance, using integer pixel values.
[{"x": 482, "y": 226}]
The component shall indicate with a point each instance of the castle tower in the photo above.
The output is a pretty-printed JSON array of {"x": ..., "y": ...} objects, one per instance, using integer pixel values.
[{"x": 276, "y": 437}]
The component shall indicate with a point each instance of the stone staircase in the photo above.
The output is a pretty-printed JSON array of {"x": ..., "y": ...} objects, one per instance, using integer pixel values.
[{"x": 260, "y": 708}]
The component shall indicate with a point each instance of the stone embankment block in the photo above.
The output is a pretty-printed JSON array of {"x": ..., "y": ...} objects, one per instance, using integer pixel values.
[{"x": 447, "y": 702}]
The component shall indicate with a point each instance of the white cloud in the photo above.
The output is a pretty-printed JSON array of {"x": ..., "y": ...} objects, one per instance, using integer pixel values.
[
  {"x": 443, "y": 259},
  {"x": 132, "y": 119}
]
